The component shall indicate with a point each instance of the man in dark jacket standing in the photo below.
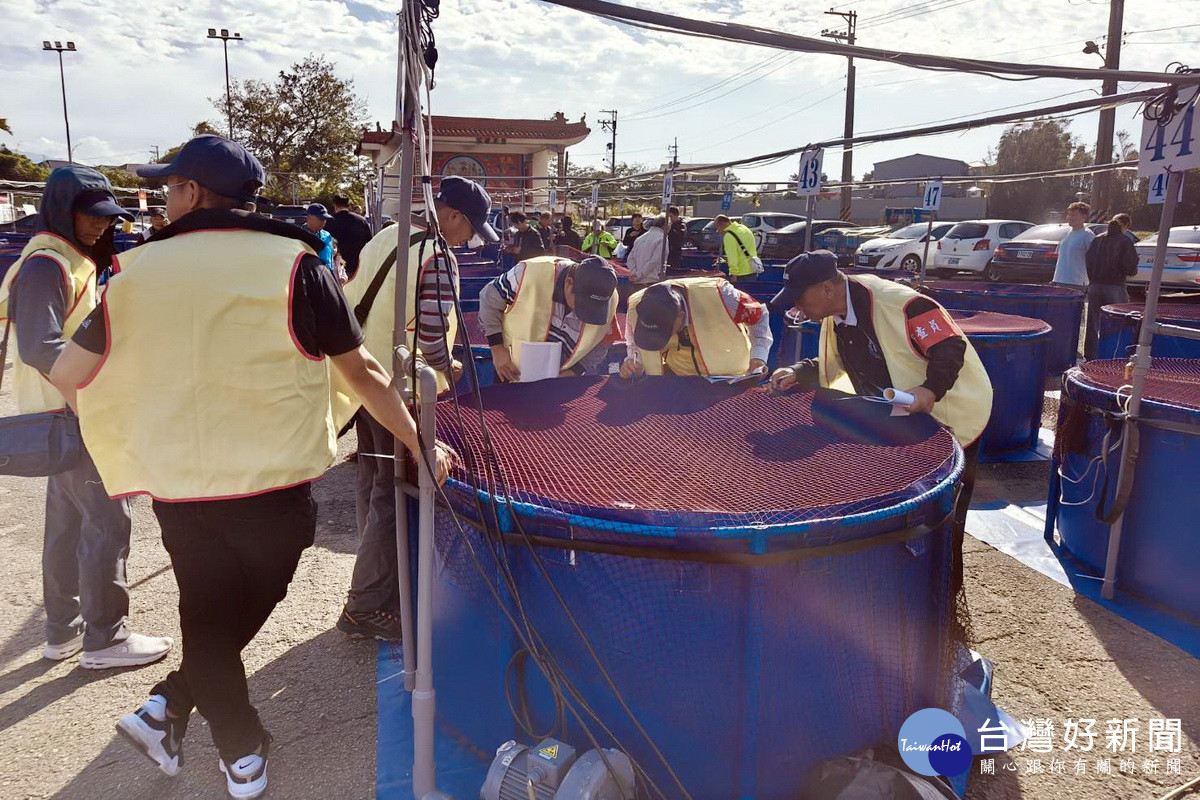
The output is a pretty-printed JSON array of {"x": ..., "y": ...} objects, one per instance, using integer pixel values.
[
  {"x": 1111, "y": 260},
  {"x": 675, "y": 233},
  {"x": 351, "y": 232}
]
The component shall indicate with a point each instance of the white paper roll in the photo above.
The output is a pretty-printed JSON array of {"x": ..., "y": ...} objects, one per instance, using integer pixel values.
[{"x": 898, "y": 398}]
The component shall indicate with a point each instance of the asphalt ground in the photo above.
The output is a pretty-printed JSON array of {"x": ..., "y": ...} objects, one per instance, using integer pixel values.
[{"x": 1057, "y": 656}]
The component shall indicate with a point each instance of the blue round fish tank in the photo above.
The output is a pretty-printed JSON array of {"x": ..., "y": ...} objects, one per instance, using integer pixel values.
[
  {"x": 789, "y": 605},
  {"x": 1121, "y": 323},
  {"x": 1059, "y": 306},
  {"x": 1159, "y": 559}
]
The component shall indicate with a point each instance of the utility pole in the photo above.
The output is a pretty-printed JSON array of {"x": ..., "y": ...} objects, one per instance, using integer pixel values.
[
  {"x": 157, "y": 155},
  {"x": 611, "y": 125},
  {"x": 848, "y": 37},
  {"x": 225, "y": 36},
  {"x": 1102, "y": 194},
  {"x": 60, "y": 48}
]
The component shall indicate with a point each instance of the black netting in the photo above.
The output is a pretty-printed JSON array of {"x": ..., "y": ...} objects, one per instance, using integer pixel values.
[
  {"x": 683, "y": 454},
  {"x": 983, "y": 323}
]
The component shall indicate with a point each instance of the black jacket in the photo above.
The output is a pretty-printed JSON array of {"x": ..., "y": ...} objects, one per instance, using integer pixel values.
[{"x": 1111, "y": 259}]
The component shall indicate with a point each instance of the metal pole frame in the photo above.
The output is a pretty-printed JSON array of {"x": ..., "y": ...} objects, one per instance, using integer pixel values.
[
  {"x": 810, "y": 208},
  {"x": 925, "y": 255},
  {"x": 228, "y": 100},
  {"x": 1141, "y": 368},
  {"x": 62, "y": 77}
]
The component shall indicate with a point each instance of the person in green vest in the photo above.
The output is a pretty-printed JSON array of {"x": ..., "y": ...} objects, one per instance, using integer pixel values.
[
  {"x": 738, "y": 247},
  {"x": 599, "y": 241}
]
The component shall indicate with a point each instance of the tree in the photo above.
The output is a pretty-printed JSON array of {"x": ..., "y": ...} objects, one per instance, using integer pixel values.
[
  {"x": 16, "y": 167},
  {"x": 304, "y": 126},
  {"x": 1044, "y": 144}
]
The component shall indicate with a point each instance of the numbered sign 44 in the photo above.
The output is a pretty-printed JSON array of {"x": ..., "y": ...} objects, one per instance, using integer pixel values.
[
  {"x": 1171, "y": 144},
  {"x": 932, "y": 199},
  {"x": 808, "y": 180},
  {"x": 1158, "y": 189}
]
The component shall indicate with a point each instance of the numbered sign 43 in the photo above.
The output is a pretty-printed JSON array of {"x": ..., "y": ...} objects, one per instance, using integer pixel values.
[
  {"x": 932, "y": 199},
  {"x": 808, "y": 180},
  {"x": 1158, "y": 189},
  {"x": 1171, "y": 145}
]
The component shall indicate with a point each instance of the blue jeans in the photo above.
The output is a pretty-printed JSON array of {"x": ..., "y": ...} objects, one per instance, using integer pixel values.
[{"x": 83, "y": 560}]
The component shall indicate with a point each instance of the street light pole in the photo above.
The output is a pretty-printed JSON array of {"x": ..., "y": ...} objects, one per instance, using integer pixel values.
[
  {"x": 60, "y": 48},
  {"x": 225, "y": 36}
]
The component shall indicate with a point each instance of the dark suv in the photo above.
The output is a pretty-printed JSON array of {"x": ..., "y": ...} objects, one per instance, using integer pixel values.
[{"x": 788, "y": 242}]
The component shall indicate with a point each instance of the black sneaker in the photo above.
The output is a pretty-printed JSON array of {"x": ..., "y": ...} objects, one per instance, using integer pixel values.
[
  {"x": 370, "y": 625},
  {"x": 158, "y": 736},
  {"x": 246, "y": 777}
]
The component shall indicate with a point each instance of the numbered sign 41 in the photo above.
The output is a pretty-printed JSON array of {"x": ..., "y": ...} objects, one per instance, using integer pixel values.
[
  {"x": 1158, "y": 189},
  {"x": 1172, "y": 144},
  {"x": 932, "y": 198},
  {"x": 808, "y": 180}
]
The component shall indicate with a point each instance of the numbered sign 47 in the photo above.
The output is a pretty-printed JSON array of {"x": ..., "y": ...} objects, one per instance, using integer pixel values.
[
  {"x": 668, "y": 188},
  {"x": 932, "y": 198},
  {"x": 595, "y": 194},
  {"x": 808, "y": 180},
  {"x": 1169, "y": 142}
]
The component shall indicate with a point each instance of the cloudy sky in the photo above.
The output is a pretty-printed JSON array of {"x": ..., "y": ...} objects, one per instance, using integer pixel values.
[{"x": 144, "y": 72}]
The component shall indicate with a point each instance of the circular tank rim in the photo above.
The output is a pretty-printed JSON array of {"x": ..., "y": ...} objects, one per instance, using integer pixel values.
[
  {"x": 1079, "y": 388},
  {"x": 1035, "y": 291},
  {"x": 1116, "y": 313},
  {"x": 755, "y": 533}
]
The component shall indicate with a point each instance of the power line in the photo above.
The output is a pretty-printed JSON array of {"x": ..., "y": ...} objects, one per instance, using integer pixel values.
[
  {"x": 786, "y": 63},
  {"x": 708, "y": 87}
]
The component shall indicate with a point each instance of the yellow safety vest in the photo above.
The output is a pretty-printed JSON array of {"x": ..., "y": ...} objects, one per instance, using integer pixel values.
[
  {"x": 204, "y": 392},
  {"x": 720, "y": 346},
  {"x": 964, "y": 409},
  {"x": 34, "y": 392},
  {"x": 528, "y": 318},
  {"x": 739, "y": 248},
  {"x": 381, "y": 320}
]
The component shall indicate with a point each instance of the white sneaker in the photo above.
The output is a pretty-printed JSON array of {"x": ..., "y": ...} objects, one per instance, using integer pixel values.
[
  {"x": 61, "y": 652},
  {"x": 156, "y": 735},
  {"x": 246, "y": 778},
  {"x": 135, "y": 651}
]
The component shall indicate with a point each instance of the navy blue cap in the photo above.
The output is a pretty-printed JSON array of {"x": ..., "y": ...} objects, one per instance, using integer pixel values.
[
  {"x": 318, "y": 210},
  {"x": 803, "y": 271},
  {"x": 595, "y": 281},
  {"x": 469, "y": 199},
  {"x": 217, "y": 164},
  {"x": 656, "y": 314},
  {"x": 100, "y": 203}
]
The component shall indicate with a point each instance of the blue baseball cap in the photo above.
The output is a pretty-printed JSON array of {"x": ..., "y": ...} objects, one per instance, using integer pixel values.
[
  {"x": 469, "y": 199},
  {"x": 803, "y": 271},
  {"x": 216, "y": 163},
  {"x": 318, "y": 210}
]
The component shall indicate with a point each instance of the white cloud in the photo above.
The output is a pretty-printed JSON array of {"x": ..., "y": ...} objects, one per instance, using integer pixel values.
[{"x": 143, "y": 73}]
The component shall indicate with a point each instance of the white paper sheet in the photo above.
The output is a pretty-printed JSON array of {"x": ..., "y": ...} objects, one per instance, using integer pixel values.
[
  {"x": 539, "y": 360},
  {"x": 756, "y": 374}
]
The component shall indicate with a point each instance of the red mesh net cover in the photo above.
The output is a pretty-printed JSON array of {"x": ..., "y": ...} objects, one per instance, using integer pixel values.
[
  {"x": 990, "y": 322},
  {"x": 1167, "y": 312},
  {"x": 659, "y": 450},
  {"x": 479, "y": 338},
  {"x": 1173, "y": 381}
]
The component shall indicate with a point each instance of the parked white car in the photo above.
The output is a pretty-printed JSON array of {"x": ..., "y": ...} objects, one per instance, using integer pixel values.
[
  {"x": 763, "y": 223},
  {"x": 1181, "y": 269},
  {"x": 901, "y": 249},
  {"x": 968, "y": 245}
]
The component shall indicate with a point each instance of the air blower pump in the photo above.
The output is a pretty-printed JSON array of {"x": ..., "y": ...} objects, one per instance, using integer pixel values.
[{"x": 551, "y": 771}]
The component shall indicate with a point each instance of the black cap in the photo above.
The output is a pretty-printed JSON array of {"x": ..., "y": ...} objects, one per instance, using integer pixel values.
[
  {"x": 158, "y": 211},
  {"x": 216, "y": 163},
  {"x": 318, "y": 210},
  {"x": 595, "y": 283},
  {"x": 803, "y": 271},
  {"x": 469, "y": 199},
  {"x": 100, "y": 203},
  {"x": 656, "y": 314}
]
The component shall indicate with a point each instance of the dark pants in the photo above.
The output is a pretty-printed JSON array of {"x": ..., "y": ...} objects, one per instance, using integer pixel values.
[
  {"x": 374, "y": 585},
  {"x": 233, "y": 560},
  {"x": 83, "y": 560},
  {"x": 1100, "y": 295},
  {"x": 967, "y": 482}
]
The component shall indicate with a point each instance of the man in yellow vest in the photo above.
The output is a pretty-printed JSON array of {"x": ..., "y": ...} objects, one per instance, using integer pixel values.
[
  {"x": 737, "y": 246},
  {"x": 49, "y": 291},
  {"x": 202, "y": 380},
  {"x": 695, "y": 326},
  {"x": 877, "y": 334},
  {"x": 462, "y": 208},
  {"x": 549, "y": 299}
]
